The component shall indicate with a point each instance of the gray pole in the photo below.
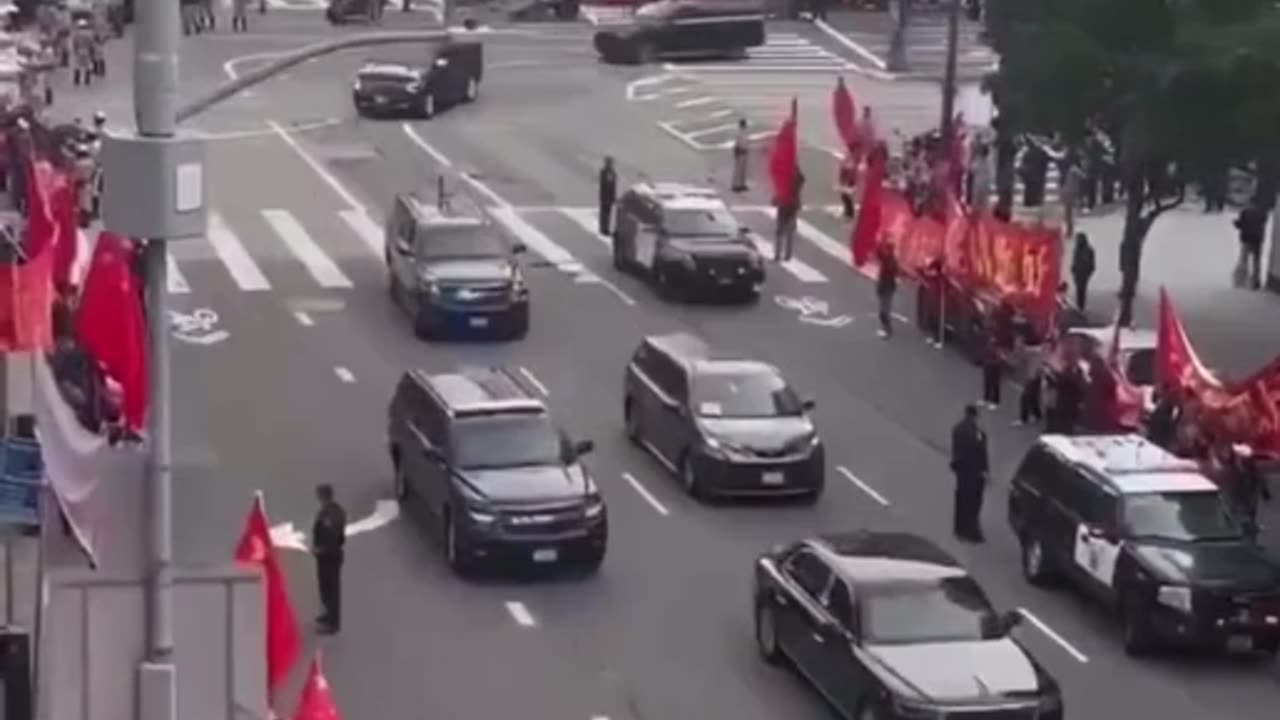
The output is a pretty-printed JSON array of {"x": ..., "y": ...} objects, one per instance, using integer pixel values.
[
  {"x": 155, "y": 96},
  {"x": 900, "y": 11},
  {"x": 949, "y": 79}
]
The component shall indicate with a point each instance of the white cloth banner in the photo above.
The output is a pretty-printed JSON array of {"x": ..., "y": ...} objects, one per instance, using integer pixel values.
[{"x": 99, "y": 487}]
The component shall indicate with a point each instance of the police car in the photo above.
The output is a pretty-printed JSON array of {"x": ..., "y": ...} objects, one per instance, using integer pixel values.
[
  {"x": 1150, "y": 537},
  {"x": 685, "y": 240}
]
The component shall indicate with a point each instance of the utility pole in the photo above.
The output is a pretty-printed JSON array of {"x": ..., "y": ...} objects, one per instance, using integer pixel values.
[
  {"x": 949, "y": 78},
  {"x": 900, "y": 14}
]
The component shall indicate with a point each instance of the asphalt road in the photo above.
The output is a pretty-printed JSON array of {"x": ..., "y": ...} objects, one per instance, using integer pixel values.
[{"x": 296, "y": 395}]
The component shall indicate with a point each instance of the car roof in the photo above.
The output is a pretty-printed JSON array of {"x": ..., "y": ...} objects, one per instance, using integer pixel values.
[
  {"x": 874, "y": 557},
  {"x": 1130, "y": 338},
  {"x": 390, "y": 67},
  {"x": 476, "y": 392},
  {"x": 1130, "y": 464},
  {"x": 678, "y": 194},
  {"x": 429, "y": 214},
  {"x": 691, "y": 350},
  {"x": 727, "y": 366}
]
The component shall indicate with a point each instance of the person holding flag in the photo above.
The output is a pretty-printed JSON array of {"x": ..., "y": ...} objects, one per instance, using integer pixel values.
[{"x": 788, "y": 185}]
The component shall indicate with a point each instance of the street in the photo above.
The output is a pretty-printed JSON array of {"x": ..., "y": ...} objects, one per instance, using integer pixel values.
[{"x": 285, "y": 385}]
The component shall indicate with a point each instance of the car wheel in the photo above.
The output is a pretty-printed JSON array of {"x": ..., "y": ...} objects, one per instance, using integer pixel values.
[
  {"x": 767, "y": 634},
  {"x": 454, "y": 553},
  {"x": 1135, "y": 630},
  {"x": 1035, "y": 565},
  {"x": 666, "y": 290},
  {"x": 593, "y": 562},
  {"x": 646, "y": 54},
  {"x": 631, "y": 420},
  {"x": 689, "y": 478},
  {"x": 428, "y": 109},
  {"x": 619, "y": 262},
  {"x": 473, "y": 89},
  {"x": 812, "y": 497},
  {"x": 399, "y": 484},
  {"x": 869, "y": 712},
  {"x": 518, "y": 330}
]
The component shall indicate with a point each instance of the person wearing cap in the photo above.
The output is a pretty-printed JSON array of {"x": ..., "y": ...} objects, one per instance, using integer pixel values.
[
  {"x": 82, "y": 50},
  {"x": 328, "y": 540},
  {"x": 970, "y": 464}
]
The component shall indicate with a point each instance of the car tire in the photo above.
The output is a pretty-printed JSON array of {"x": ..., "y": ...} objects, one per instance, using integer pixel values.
[
  {"x": 454, "y": 554},
  {"x": 421, "y": 328},
  {"x": 593, "y": 562},
  {"x": 1036, "y": 567},
  {"x": 619, "y": 261},
  {"x": 666, "y": 290},
  {"x": 519, "y": 330},
  {"x": 689, "y": 478},
  {"x": 767, "y": 634},
  {"x": 646, "y": 54},
  {"x": 427, "y": 108},
  {"x": 869, "y": 712},
  {"x": 1135, "y": 630},
  {"x": 631, "y": 421},
  {"x": 473, "y": 89},
  {"x": 812, "y": 497}
]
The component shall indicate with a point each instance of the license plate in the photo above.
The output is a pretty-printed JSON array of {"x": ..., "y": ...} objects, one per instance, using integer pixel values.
[
  {"x": 773, "y": 478},
  {"x": 1240, "y": 643},
  {"x": 546, "y": 555},
  {"x": 479, "y": 322},
  {"x": 725, "y": 281},
  {"x": 378, "y": 99}
]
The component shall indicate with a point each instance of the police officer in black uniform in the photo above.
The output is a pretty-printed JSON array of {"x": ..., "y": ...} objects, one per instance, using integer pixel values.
[
  {"x": 608, "y": 195},
  {"x": 969, "y": 462},
  {"x": 328, "y": 536}
]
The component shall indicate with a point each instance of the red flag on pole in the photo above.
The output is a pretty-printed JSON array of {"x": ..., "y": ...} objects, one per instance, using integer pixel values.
[
  {"x": 42, "y": 232},
  {"x": 783, "y": 159},
  {"x": 866, "y": 229},
  {"x": 66, "y": 219},
  {"x": 317, "y": 701},
  {"x": 255, "y": 548},
  {"x": 26, "y": 278},
  {"x": 846, "y": 114},
  {"x": 111, "y": 324},
  {"x": 1175, "y": 357}
]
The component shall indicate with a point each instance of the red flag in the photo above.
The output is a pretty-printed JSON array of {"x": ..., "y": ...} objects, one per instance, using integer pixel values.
[
  {"x": 783, "y": 158},
  {"x": 26, "y": 281},
  {"x": 1174, "y": 356},
  {"x": 42, "y": 232},
  {"x": 255, "y": 548},
  {"x": 317, "y": 701},
  {"x": 65, "y": 215},
  {"x": 111, "y": 324},
  {"x": 846, "y": 114},
  {"x": 866, "y": 229}
]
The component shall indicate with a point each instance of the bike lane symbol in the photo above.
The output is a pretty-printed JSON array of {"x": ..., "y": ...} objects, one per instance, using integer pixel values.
[
  {"x": 812, "y": 311},
  {"x": 199, "y": 327}
]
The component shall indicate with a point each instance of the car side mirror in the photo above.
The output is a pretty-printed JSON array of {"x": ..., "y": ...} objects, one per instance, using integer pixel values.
[
  {"x": 583, "y": 447},
  {"x": 809, "y": 404},
  {"x": 519, "y": 248},
  {"x": 1010, "y": 620}
]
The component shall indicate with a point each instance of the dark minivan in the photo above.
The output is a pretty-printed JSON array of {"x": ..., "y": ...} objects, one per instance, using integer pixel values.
[
  {"x": 725, "y": 426},
  {"x": 1147, "y": 535},
  {"x": 684, "y": 28},
  {"x": 478, "y": 456}
]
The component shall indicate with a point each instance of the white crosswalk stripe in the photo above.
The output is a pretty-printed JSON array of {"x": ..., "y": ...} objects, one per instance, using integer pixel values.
[
  {"x": 782, "y": 52},
  {"x": 295, "y": 237},
  {"x": 176, "y": 281},
  {"x": 366, "y": 229},
  {"x": 233, "y": 254}
]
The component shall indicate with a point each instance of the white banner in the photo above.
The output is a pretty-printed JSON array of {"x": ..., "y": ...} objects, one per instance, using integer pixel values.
[{"x": 99, "y": 487}]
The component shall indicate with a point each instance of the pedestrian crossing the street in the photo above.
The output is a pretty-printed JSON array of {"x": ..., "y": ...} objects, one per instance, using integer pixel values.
[
  {"x": 781, "y": 52},
  {"x": 273, "y": 248}
]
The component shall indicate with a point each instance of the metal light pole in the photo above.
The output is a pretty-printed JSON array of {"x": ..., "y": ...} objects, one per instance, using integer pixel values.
[
  {"x": 949, "y": 78},
  {"x": 900, "y": 14}
]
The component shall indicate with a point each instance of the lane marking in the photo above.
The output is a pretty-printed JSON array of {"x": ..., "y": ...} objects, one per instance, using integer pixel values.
[
  {"x": 423, "y": 145},
  {"x": 322, "y": 268},
  {"x": 803, "y": 271},
  {"x": 644, "y": 493},
  {"x": 344, "y": 374},
  {"x": 318, "y": 167},
  {"x": 246, "y": 273},
  {"x": 588, "y": 220},
  {"x": 858, "y": 483},
  {"x": 711, "y": 130},
  {"x": 695, "y": 102},
  {"x": 177, "y": 283},
  {"x": 897, "y": 317},
  {"x": 366, "y": 229},
  {"x": 1049, "y": 632},
  {"x": 303, "y": 318},
  {"x": 527, "y": 374},
  {"x": 520, "y": 614},
  {"x": 848, "y": 42}
]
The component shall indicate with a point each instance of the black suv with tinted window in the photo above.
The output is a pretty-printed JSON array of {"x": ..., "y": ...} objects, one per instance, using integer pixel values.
[
  {"x": 1148, "y": 536},
  {"x": 480, "y": 459},
  {"x": 722, "y": 424},
  {"x": 455, "y": 272},
  {"x": 685, "y": 240}
]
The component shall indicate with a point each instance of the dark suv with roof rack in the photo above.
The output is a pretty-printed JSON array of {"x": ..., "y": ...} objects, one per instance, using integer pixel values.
[
  {"x": 1148, "y": 536},
  {"x": 480, "y": 459}
]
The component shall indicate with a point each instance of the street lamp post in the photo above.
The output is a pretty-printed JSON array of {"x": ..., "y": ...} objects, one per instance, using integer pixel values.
[
  {"x": 949, "y": 77},
  {"x": 900, "y": 14}
]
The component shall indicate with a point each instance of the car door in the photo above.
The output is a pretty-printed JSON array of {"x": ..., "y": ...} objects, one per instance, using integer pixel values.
[
  {"x": 644, "y": 238},
  {"x": 800, "y": 611},
  {"x": 681, "y": 33},
  {"x": 1097, "y": 540},
  {"x": 668, "y": 429},
  {"x": 433, "y": 476},
  {"x": 839, "y": 671},
  {"x": 451, "y": 74}
]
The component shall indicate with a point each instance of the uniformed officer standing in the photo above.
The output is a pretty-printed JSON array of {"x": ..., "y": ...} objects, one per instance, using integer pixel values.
[
  {"x": 82, "y": 54},
  {"x": 608, "y": 195},
  {"x": 969, "y": 462},
  {"x": 239, "y": 15},
  {"x": 738, "y": 183},
  {"x": 328, "y": 536}
]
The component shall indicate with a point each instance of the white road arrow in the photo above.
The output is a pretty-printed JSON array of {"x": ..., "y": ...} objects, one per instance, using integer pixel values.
[{"x": 287, "y": 536}]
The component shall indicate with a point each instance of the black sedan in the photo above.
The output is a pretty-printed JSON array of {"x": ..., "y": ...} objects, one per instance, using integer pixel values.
[
  {"x": 451, "y": 76},
  {"x": 887, "y": 626}
]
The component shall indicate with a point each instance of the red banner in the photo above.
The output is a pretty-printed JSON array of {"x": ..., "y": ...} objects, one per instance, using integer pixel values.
[
  {"x": 1013, "y": 261},
  {"x": 1225, "y": 412}
]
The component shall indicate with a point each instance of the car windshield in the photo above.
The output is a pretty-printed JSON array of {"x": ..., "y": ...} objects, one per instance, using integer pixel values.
[
  {"x": 743, "y": 395},
  {"x": 654, "y": 11},
  {"x": 506, "y": 441},
  {"x": 1140, "y": 367},
  {"x": 709, "y": 222},
  {"x": 1182, "y": 516},
  {"x": 446, "y": 243},
  {"x": 951, "y": 610}
]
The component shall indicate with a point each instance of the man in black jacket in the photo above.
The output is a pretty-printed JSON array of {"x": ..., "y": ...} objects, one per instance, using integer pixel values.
[
  {"x": 1083, "y": 265},
  {"x": 328, "y": 538},
  {"x": 1252, "y": 226},
  {"x": 969, "y": 462},
  {"x": 886, "y": 286},
  {"x": 608, "y": 195}
]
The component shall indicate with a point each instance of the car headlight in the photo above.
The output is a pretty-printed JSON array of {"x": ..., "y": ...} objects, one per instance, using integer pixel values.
[
  {"x": 414, "y": 86},
  {"x": 1177, "y": 597},
  {"x": 481, "y": 516},
  {"x": 594, "y": 508}
]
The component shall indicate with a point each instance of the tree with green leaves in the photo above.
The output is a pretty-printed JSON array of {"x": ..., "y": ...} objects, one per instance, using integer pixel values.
[{"x": 1184, "y": 88}]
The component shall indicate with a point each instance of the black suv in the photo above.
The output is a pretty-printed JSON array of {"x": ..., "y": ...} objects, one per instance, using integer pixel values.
[
  {"x": 452, "y": 75},
  {"x": 479, "y": 457},
  {"x": 684, "y": 28},
  {"x": 685, "y": 240},
  {"x": 1150, "y": 537},
  {"x": 455, "y": 274},
  {"x": 889, "y": 626},
  {"x": 724, "y": 425}
]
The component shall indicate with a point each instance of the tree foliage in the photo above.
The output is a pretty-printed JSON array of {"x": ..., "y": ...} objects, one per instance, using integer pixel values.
[{"x": 1184, "y": 88}]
